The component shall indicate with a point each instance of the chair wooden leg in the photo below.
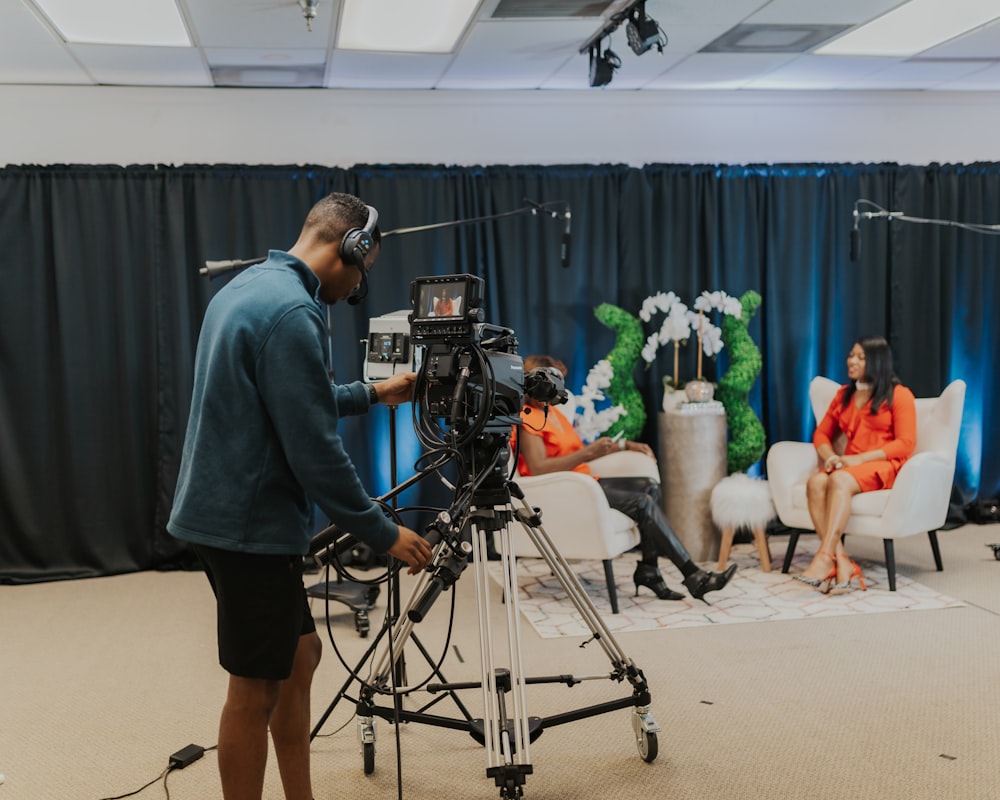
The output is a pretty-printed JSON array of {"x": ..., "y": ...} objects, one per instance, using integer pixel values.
[
  {"x": 793, "y": 540},
  {"x": 609, "y": 576},
  {"x": 725, "y": 547},
  {"x": 760, "y": 539},
  {"x": 890, "y": 563},
  {"x": 932, "y": 535}
]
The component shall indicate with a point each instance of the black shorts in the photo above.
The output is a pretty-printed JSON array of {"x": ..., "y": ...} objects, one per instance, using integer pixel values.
[{"x": 262, "y": 610}]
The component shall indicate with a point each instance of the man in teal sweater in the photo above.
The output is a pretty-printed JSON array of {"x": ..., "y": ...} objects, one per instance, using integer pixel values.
[{"x": 261, "y": 447}]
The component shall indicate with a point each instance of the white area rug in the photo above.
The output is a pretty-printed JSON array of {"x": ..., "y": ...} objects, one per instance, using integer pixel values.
[{"x": 751, "y": 596}]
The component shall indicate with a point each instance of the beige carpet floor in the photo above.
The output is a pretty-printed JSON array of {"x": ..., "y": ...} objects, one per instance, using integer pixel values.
[
  {"x": 751, "y": 596},
  {"x": 102, "y": 680}
]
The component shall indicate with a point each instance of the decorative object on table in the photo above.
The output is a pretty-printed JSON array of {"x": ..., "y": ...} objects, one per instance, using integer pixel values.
[
  {"x": 747, "y": 441},
  {"x": 623, "y": 358},
  {"x": 676, "y": 328},
  {"x": 699, "y": 391},
  {"x": 678, "y": 325},
  {"x": 741, "y": 502}
]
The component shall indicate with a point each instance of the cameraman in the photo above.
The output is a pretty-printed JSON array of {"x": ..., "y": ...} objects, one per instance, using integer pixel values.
[
  {"x": 261, "y": 447},
  {"x": 549, "y": 443}
]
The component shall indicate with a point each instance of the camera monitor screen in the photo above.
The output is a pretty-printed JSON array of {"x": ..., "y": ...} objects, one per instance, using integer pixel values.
[{"x": 447, "y": 299}]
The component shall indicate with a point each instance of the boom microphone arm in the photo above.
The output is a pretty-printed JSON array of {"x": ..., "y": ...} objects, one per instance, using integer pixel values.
[{"x": 215, "y": 268}]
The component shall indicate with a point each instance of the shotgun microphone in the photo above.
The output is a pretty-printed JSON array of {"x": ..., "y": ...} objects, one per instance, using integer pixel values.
[
  {"x": 855, "y": 239},
  {"x": 564, "y": 244}
]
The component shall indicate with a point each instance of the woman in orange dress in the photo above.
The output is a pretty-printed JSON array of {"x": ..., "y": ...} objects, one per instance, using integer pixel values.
[
  {"x": 444, "y": 306},
  {"x": 878, "y": 418}
]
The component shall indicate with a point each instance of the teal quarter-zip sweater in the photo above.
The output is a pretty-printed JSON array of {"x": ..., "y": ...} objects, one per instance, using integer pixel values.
[{"x": 261, "y": 444}]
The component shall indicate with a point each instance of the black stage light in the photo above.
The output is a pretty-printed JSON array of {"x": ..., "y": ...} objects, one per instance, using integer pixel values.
[
  {"x": 643, "y": 32},
  {"x": 602, "y": 65}
]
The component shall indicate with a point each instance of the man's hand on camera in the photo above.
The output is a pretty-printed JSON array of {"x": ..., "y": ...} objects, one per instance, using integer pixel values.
[
  {"x": 412, "y": 548},
  {"x": 397, "y": 389}
]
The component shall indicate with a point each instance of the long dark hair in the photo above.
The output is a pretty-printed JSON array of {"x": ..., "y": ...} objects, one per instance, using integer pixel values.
[{"x": 878, "y": 370}]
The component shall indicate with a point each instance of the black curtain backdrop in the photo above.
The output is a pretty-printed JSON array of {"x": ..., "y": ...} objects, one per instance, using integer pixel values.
[{"x": 101, "y": 304}]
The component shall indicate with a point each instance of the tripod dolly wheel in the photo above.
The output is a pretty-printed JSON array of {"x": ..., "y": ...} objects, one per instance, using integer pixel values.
[
  {"x": 647, "y": 746},
  {"x": 645, "y": 729},
  {"x": 368, "y": 752}
]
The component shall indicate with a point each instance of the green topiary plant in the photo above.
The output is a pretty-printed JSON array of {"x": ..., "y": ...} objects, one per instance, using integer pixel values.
[
  {"x": 623, "y": 357},
  {"x": 746, "y": 433}
]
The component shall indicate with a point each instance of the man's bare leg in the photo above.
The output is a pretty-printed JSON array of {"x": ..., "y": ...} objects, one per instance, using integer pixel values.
[
  {"x": 290, "y": 721},
  {"x": 243, "y": 736}
]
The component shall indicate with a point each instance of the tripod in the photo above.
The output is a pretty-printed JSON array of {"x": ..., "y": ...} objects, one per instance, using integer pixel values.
[{"x": 506, "y": 730}]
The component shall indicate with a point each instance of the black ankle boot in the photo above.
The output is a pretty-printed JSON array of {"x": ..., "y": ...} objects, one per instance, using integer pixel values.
[
  {"x": 649, "y": 576},
  {"x": 701, "y": 582}
]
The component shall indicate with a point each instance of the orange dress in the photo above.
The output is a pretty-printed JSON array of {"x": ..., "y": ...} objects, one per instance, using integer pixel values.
[
  {"x": 893, "y": 429},
  {"x": 445, "y": 307},
  {"x": 556, "y": 431}
]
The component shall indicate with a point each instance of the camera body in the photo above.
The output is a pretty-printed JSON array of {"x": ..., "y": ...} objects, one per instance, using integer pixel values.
[{"x": 471, "y": 374}]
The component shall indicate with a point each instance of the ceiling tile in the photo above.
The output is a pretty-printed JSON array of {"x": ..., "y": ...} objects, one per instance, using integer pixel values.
[{"x": 143, "y": 66}]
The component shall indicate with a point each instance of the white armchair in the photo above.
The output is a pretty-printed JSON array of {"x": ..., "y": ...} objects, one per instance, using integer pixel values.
[
  {"x": 918, "y": 500},
  {"x": 576, "y": 514}
]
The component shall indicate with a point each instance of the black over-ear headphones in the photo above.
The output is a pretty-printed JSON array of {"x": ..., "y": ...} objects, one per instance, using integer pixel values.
[
  {"x": 354, "y": 249},
  {"x": 357, "y": 242}
]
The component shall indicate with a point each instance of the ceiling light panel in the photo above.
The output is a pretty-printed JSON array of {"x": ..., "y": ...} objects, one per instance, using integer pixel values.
[
  {"x": 541, "y": 9},
  {"x": 404, "y": 26},
  {"x": 913, "y": 27},
  {"x": 748, "y": 38},
  {"x": 124, "y": 22}
]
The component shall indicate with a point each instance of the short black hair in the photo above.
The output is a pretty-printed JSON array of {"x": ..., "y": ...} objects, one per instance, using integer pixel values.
[{"x": 337, "y": 213}]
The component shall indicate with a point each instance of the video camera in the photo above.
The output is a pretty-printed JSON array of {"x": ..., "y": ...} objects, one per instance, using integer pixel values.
[{"x": 471, "y": 376}]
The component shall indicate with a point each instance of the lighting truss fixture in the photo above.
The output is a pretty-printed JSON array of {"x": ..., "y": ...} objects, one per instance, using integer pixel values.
[
  {"x": 602, "y": 65},
  {"x": 644, "y": 33}
]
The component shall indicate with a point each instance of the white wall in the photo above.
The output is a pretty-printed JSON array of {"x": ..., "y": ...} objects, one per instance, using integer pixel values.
[{"x": 124, "y": 125}]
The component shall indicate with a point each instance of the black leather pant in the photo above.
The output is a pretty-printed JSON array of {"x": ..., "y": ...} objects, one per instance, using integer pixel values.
[{"x": 639, "y": 500}]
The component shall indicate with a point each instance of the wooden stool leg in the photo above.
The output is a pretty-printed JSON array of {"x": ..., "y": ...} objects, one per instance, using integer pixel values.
[
  {"x": 725, "y": 547},
  {"x": 760, "y": 539}
]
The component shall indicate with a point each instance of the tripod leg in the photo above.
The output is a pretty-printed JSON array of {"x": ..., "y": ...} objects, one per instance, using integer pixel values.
[
  {"x": 506, "y": 739},
  {"x": 644, "y": 725}
]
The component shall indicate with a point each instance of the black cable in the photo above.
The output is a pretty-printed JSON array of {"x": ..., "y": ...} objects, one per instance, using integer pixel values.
[{"x": 161, "y": 777}]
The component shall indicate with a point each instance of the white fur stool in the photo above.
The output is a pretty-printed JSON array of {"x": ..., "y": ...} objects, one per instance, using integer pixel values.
[{"x": 740, "y": 501}]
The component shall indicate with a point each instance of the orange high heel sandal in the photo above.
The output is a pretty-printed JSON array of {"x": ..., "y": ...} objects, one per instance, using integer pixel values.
[
  {"x": 821, "y": 584},
  {"x": 848, "y": 585}
]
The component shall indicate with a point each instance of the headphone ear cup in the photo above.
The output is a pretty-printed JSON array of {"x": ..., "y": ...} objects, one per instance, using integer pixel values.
[
  {"x": 355, "y": 246},
  {"x": 357, "y": 242}
]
